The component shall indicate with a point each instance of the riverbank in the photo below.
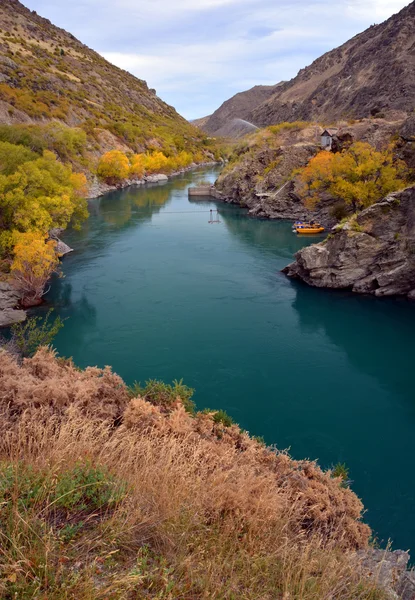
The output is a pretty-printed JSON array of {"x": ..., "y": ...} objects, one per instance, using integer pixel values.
[
  {"x": 99, "y": 188},
  {"x": 10, "y": 310}
]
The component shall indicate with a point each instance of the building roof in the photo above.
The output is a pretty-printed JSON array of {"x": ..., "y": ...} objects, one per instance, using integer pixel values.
[{"x": 331, "y": 131}]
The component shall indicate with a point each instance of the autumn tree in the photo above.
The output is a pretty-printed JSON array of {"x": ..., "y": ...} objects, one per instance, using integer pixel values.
[
  {"x": 42, "y": 194},
  {"x": 156, "y": 163},
  {"x": 360, "y": 175},
  {"x": 35, "y": 259},
  {"x": 137, "y": 166},
  {"x": 113, "y": 167}
]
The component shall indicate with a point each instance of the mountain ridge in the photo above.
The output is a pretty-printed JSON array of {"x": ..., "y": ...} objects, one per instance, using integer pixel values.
[
  {"x": 371, "y": 73},
  {"x": 47, "y": 74}
]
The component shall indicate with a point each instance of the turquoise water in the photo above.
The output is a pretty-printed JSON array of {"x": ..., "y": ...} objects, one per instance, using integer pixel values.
[{"x": 156, "y": 291}]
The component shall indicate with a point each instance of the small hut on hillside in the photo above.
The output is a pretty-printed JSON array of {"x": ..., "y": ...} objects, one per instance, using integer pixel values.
[{"x": 327, "y": 138}]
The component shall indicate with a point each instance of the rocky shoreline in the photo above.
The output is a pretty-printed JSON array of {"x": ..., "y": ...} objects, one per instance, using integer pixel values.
[
  {"x": 99, "y": 188},
  {"x": 372, "y": 253}
]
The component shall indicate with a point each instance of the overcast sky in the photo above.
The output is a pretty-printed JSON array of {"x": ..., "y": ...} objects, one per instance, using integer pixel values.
[{"x": 198, "y": 53}]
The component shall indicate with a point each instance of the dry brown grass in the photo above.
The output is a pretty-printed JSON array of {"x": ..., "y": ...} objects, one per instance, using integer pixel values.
[{"x": 205, "y": 511}]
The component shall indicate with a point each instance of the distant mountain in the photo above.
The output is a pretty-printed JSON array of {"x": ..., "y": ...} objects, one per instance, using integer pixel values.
[
  {"x": 231, "y": 119},
  {"x": 47, "y": 74},
  {"x": 372, "y": 73}
]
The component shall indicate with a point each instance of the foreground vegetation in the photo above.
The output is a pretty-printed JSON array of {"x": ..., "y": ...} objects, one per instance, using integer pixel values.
[{"x": 110, "y": 492}]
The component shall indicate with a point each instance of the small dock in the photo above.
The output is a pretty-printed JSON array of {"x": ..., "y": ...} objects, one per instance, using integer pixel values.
[{"x": 205, "y": 191}]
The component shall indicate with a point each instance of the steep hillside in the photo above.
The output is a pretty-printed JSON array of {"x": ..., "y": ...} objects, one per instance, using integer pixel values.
[
  {"x": 45, "y": 73},
  {"x": 228, "y": 120},
  {"x": 262, "y": 172},
  {"x": 372, "y": 72}
]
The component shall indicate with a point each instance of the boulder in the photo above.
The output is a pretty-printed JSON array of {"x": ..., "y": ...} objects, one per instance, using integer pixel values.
[
  {"x": 10, "y": 316},
  {"x": 373, "y": 253},
  {"x": 62, "y": 248},
  {"x": 156, "y": 178}
]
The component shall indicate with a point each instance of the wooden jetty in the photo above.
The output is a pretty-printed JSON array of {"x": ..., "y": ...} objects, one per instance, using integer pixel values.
[{"x": 205, "y": 191}]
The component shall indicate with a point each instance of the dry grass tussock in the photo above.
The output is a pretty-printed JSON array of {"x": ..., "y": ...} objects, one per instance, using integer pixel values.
[{"x": 107, "y": 497}]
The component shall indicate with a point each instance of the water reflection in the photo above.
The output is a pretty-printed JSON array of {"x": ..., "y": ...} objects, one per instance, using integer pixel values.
[{"x": 133, "y": 203}]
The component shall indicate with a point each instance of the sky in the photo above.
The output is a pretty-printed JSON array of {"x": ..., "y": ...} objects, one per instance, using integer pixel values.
[{"x": 199, "y": 53}]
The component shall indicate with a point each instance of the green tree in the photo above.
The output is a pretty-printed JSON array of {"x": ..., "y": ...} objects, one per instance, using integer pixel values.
[
  {"x": 12, "y": 157},
  {"x": 35, "y": 332}
]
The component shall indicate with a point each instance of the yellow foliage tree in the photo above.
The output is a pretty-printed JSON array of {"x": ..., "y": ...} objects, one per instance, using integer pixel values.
[
  {"x": 137, "y": 166},
  {"x": 156, "y": 163},
  {"x": 42, "y": 194},
  {"x": 113, "y": 166},
  {"x": 35, "y": 259},
  {"x": 359, "y": 175}
]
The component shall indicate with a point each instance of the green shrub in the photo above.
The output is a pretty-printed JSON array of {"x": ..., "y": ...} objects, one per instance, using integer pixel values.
[
  {"x": 342, "y": 471},
  {"x": 86, "y": 488},
  {"x": 35, "y": 332},
  {"x": 220, "y": 416},
  {"x": 163, "y": 394},
  {"x": 339, "y": 211}
]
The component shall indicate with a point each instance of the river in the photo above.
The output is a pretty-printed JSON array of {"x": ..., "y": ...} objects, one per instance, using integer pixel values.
[{"x": 157, "y": 291}]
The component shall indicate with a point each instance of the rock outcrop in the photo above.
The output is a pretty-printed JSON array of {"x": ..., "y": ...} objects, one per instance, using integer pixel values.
[
  {"x": 390, "y": 571},
  {"x": 9, "y": 299},
  {"x": 262, "y": 177},
  {"x": 373, "y": 253}
]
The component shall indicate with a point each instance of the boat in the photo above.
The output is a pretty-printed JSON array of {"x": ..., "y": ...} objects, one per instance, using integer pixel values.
[
  {"x": 299, "y": 224},
  {"x": 312, "y": 228}
]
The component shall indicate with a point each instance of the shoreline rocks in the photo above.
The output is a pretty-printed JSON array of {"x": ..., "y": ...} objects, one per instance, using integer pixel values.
[{"x": 373, "y": 253}]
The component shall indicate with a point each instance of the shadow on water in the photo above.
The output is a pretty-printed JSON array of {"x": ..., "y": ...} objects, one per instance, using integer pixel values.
[{"x": 376, "y": 333}]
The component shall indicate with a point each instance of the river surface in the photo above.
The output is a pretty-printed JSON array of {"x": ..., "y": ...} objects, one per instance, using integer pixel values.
[{"x": 157, "y": 291}]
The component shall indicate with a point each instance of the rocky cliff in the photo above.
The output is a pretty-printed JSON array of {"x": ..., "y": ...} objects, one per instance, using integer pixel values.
[
  {"x": 372, "y": 253},
  {"x": 262, "y": 172}
]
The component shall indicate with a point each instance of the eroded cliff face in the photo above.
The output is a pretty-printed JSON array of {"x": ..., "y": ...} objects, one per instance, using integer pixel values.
[
  {"x": 262, "y": 178},
  {"x": 373, "y": 253}
]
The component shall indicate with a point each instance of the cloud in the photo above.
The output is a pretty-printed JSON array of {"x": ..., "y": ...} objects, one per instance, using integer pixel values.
[{"x": 197, "y": 53}]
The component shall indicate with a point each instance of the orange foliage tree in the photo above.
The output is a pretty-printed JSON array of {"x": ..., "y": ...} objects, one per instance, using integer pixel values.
[
  {"x": 113, "y": 166},
  {"x": 35, "y": 259},
  {"x": 360, "y": 175}
]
